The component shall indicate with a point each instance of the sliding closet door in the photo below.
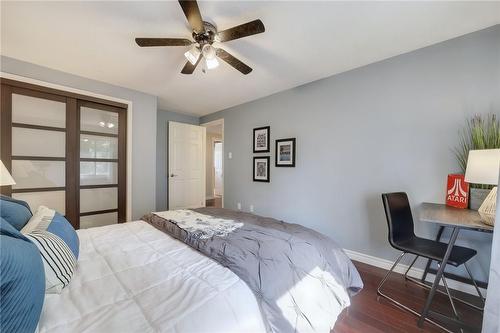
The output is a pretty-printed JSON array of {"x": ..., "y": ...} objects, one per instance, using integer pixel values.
[
  {"x": 39, "y": 146},
  {"x": 102, "y": 164},
  {"x": 65, "y": 151}
]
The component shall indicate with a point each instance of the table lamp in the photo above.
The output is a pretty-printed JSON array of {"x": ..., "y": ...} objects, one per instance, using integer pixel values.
[
  {"x": 5, "y": 177},
  {"x": 482, "y": 168}
]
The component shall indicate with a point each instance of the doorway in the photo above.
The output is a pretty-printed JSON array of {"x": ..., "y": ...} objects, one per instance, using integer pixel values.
[
  {"x": 186, "y": 166},
  {"x": 214, "y": 163}
]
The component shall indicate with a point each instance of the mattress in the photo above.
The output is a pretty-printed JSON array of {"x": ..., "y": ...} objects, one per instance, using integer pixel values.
[{"x": 132, "y": 277}]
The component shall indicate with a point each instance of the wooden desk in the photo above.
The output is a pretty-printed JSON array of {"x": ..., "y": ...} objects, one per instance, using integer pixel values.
[
  {"x": 456, "y": 219},
  {"x": 453, "y": 217},
  {"x": 446, "y": 216}
]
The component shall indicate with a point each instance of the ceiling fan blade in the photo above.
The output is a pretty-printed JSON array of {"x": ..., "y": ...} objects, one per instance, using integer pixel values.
[
  {"x": 231, "y": 60},
  {"x": 243, "y": 30},
  {"x": 192, "y": 12},
  {"x": 189, "y": 67},
  {"x": 144, "y": 42}
]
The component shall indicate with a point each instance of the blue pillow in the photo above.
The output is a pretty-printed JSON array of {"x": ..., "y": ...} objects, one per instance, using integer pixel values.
[
  {"x": 16, "y": 212},
  {"x": 62, "y": 228},
  {"x": 6, "y": 229},
  {"x": 22, "y": 282}
]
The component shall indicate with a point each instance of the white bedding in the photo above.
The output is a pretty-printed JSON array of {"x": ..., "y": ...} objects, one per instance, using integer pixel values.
[{"x": 132, "y": 277}]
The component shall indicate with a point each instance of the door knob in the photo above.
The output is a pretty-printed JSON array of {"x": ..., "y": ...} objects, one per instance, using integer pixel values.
[{"x": 172, "y": 175}]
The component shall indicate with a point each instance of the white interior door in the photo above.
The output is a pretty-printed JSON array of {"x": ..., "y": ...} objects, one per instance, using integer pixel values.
[
  {"x": 218, "y": 168},
  {"x": 186, "y": 166}
]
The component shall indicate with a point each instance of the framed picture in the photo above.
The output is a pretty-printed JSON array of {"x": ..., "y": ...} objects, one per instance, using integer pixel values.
[
  {"x": 285, "y": 152},
  {"x": 261, "y": 169},
  {"x": 261, "y": 140}
]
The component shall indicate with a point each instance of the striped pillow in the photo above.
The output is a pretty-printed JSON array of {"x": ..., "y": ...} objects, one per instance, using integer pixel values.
[{"x": 58, "y": 260}]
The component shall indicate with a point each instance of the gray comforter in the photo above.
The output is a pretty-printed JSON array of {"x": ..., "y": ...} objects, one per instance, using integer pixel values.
[{"x": 301, "y": 279}]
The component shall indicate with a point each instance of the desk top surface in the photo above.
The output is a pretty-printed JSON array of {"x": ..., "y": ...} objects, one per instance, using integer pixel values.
[{"x": 453, "y": 217}]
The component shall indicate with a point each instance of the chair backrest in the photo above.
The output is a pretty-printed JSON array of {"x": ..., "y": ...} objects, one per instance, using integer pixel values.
[{"x": 399, "y": 218}]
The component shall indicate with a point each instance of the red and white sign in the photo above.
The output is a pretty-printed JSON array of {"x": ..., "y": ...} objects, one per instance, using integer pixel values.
[{"x": 457, "y": 191}]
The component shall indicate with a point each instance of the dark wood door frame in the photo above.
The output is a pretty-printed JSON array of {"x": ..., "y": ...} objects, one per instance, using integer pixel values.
[
  {"x": 73, "y": 103},
  {"x": 58, "y": 92},
  {"x": 121, "y": 160}
]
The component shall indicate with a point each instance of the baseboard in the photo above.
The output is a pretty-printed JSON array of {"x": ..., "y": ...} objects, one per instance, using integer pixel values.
[{"x": 414, "y": 272}]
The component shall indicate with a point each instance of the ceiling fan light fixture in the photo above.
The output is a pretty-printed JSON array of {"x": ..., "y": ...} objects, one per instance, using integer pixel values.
[
  {"x": 210, "y": 56},
  {"x": 208, "y": 51},
  {"x": 192, "y": 55},
  {"x": 204, "y": 34},
  {"x": 212, "y": 63}
]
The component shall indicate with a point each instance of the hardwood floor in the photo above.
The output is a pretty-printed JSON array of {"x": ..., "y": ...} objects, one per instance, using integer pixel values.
[
  {"x": 371, "y": 314},
  {"x": 215, "y": 202}
]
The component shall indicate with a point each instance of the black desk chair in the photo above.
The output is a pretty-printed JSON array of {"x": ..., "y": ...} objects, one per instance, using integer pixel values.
[{"x": 402, "y": 237}]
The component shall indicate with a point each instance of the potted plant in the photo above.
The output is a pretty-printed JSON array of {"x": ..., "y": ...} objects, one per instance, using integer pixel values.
[{"x": 480, "y": 132}]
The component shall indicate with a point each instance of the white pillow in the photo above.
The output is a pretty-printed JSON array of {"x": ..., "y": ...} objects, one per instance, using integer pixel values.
[
  {"x": 58, "y": 260},
  {"x": 39, "y": 221}
]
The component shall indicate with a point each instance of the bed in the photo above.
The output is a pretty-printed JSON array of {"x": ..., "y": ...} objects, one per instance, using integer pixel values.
[
  {"x": 167, "y": 275},
  {"x": 131, "y": 277}
]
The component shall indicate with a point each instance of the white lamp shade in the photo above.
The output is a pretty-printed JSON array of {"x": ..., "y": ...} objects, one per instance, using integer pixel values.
[
  {"x": 483, "y": 166},
  {"x": 5, "y": 177}
]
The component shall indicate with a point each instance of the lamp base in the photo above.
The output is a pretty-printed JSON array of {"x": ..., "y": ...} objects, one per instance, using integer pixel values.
[{"x": 488, "y": 208}]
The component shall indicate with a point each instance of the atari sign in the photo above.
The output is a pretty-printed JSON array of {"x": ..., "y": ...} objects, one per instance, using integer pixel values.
[{"x": 457, "y": 191}]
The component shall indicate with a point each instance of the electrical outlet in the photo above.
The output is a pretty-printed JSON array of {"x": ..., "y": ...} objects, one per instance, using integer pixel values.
[
  {"x": 230, "y": 155},
  {"x": 239, "y": 205},
  {"x": 251, "y": 208}
]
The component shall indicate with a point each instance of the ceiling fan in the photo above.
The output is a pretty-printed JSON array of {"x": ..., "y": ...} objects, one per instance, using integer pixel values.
[{"x": 204, "y": 35}]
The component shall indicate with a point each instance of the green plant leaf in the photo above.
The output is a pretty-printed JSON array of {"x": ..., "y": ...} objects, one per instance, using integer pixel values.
[{"x": 479, "y": 132}]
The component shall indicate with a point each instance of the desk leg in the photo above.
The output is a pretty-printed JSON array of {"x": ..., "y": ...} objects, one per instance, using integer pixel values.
[
  {"x": 429, "y": 261},
  {"x": 439, "y": 274}
]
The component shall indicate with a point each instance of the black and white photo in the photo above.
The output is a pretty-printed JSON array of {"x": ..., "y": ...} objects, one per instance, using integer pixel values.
[
  {"x": 285, "y": 152},
  {"x": 261, "y": 139},
  {"x": 261, "y": 166}
]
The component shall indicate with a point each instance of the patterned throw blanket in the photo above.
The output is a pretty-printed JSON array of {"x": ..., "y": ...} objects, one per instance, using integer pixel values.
[{"x": 301, "y": 279}]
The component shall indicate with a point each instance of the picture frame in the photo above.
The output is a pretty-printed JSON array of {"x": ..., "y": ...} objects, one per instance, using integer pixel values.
[
  {"x": 285, "y": 153},
  {"x": 262, "y": 139},
  {"x": 261, "y": 169}
]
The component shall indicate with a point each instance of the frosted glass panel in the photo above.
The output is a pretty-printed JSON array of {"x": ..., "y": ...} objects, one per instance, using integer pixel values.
[
  {"x": 31, "y": 142},
  {"x": 34, "y": 174},
  {"x": 98, "y": 121},
  {"x": 98, "y": 173},
  {"x": 92, "y": 146},
  {"x": 53, "y": 199},
  {"x": 98, "y": 199},
  {"x": 38, "y": 111},
  {"x": 98, "y": 220}
]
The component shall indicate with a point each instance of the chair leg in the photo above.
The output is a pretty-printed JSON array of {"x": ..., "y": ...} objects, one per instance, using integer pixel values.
[
  {"x": 409, "y": 267},
  {"x": 418, "y": 282},
  {"x": 475, "y": 284},
  {"x": 398, "y": 304},
  {"x": 455, "y": 312},
  {"x": 389, "y": 273}
]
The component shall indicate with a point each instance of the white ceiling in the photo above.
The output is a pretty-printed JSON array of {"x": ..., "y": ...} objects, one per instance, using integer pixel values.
[{"x": 304, "y": 41}]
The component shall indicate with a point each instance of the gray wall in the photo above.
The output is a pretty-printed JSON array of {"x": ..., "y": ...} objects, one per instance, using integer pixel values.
[
  {"x": 143, "y": 125},
  {"x": 388, "y": 126},
  {"x": 163, "y": 117}
]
